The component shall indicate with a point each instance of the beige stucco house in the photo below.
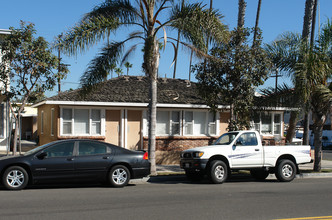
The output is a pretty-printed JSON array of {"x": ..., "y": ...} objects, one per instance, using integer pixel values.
[{"x": 117, "y": 112}]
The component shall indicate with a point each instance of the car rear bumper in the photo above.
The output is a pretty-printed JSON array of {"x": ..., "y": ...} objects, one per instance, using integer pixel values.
[{"x": 140, "y": 172}]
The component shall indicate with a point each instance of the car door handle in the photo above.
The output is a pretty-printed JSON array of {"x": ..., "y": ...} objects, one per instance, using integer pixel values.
[
  {"x": 106, "y": 157},
  {"x": 70, "y": 159},
  {"x": 256, "y": 149}
]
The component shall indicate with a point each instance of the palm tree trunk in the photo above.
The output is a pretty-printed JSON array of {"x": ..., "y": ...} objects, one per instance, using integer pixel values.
[
  {"x": 153, "y": 69},
  {"x": 257, "y": 19},
  {"x": 319, "y": 120},
  {"x": 292, "y": 126},
  {"x": 242, "y": 11},
  {"x": 307, "y": 20}
]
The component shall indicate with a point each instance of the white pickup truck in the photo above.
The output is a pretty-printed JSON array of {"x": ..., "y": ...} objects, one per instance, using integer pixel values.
[{"x": 243, "y": 150}]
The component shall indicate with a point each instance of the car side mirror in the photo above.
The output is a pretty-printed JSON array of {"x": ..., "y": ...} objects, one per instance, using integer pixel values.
[{"x": 42, "y": 155}]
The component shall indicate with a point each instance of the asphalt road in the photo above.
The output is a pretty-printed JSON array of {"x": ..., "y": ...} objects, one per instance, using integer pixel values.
[{"x": 172, "y": 198}]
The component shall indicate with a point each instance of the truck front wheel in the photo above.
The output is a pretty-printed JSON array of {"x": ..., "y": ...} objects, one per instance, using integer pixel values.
[
  {"x": 286, "y": 171},
  {"x": 218, "y": 172}
]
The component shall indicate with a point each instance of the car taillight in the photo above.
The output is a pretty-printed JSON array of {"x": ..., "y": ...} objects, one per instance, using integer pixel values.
[{"x": 146, "y": 156}]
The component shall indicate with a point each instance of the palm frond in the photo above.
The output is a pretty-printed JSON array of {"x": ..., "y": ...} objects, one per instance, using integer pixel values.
[
  {"x": 284, "y": 96},
  {"x": 99, "y": 67},
  {"x": 285, "y": 51},
  {"x": 97, "y": 25},
  {"x": 325, "y": 38},
  {"x": 86, "y": 34},
  {"x": 198, "y": 24},
  {"x": 123, "y": 10}
]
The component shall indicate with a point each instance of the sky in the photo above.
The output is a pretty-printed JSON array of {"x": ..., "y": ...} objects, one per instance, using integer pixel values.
[{"x": 52, "y": 18}]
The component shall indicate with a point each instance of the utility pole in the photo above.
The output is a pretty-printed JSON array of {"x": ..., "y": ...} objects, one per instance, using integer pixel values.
[{"x": 276, "y": 76}]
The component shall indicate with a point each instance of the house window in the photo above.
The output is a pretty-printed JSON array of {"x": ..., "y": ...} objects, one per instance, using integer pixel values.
[
  {"x": 199, "y": 123},
  {"x": 212, "y": 123},
  {"x": 267, "y": 123},
  {"x": 175, "y": 123},
  {"x": 188, "y": 123},
  {"x": 42, "y": 122},
  {"x": 95, "y": 121},
  {"x": 52, "y": 121},
  {"x": 168, "y": 123},
  {"x": 67, "y": 115},
  {"x": 2, "y": 114},
  {"x": 76, "y": 121}
]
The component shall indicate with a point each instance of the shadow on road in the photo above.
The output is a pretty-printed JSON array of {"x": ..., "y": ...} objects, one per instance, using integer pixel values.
[{"x": 182, "y": 179}]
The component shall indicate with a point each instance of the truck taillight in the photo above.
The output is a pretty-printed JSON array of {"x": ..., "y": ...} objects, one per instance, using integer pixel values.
[{"x": 146, "y": 156}]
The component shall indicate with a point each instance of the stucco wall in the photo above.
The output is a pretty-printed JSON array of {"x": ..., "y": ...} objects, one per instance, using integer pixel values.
[{"x": 45, "y": 136}]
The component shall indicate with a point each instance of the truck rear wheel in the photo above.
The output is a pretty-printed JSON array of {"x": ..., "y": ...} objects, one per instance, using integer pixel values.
[
  {"x": 286, "y": 171},
  {"x": 218, "y": 171}
]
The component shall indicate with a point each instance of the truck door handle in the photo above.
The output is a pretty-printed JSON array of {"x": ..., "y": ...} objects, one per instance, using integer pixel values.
[
  {"x": 70, "y": 159},
  {"x": 256, "y": 149}
]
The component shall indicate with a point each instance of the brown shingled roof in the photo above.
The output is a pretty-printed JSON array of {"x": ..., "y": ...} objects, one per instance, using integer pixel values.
[{"x": 135, "y": 89}]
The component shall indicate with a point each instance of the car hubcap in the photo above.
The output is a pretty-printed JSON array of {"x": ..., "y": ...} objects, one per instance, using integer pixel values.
[
  {"x": 119, "y": 176},
  {"x": 219, "y": 172},
  {"x": 15, "y": 178},
  {"x": 287, "y": 170}
]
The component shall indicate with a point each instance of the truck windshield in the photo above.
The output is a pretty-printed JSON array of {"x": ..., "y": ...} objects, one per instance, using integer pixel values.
[{"x": 226, "y": 139}]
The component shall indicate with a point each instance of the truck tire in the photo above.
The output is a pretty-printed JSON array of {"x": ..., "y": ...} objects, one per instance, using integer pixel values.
[
  {"x": 259, "y": 174},
  {"x": 286, "y": 170},
  {"x": 194, "y": 176},
  {"x": 218, "y": 171}
]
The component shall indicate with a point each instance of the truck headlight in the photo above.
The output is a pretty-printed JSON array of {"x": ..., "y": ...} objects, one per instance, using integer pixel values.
[{"x": 198, "y": 154}]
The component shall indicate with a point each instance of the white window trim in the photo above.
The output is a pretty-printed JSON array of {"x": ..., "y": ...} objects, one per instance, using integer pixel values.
[
  {"x": 52, "y": 121},
  {"x": 102, "y": 121},
  {"x": 272, "y": 124}
]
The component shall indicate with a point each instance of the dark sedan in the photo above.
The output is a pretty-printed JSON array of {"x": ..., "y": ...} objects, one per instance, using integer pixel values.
[{"x": 78, "y": 160}]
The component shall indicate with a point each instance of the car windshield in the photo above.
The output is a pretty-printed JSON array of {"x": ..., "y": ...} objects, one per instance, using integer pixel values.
[
  {"x": 226, "y": 139},
  {"x": 37, "y": 149}
]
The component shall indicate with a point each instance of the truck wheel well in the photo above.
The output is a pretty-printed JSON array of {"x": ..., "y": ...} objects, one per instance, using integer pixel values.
[
  {"x": 218, "y": 157},
  {"x": 288, "y": 157}
]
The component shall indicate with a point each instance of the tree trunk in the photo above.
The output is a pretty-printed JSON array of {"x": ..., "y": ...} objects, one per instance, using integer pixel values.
[
  {"x": 307, "y": 20},
  {"x": 257, "y": 20},
  {"x": 242, "y": 12},
  {"x": 319, "y": 120},
  {"x": 306, "y": 122},
  {"x": 152, "y": 64},
  {"x": 292, "y": 126}
]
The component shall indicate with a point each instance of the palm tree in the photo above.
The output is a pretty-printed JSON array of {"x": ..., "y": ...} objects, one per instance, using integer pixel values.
[
  {"x": 118, "y": 71},
  {"x": 144, "y": 19},
  {"x": 310, "y": 68},
  {"x": 128, "y": 66}
]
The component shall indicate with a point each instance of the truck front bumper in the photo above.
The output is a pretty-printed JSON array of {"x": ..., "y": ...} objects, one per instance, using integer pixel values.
[{"x": 193, "y": 164}]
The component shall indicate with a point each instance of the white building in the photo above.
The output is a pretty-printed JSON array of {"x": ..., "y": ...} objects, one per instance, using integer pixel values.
[{"x": 4, "y": 107}]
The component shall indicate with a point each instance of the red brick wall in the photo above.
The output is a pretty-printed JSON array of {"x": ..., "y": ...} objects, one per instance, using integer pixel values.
[{"x": 179, "y": 143}]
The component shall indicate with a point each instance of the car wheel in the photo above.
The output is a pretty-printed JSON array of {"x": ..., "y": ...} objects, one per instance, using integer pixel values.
[
  {"x": 194, "y": 176},
  {"x": 15, "y": 178},
  {"x": 286, "y": 171},
  {"x": 119, "y": 176},
  {"x": 259, "y": 174},
  {"x": 218, "y": 172}
]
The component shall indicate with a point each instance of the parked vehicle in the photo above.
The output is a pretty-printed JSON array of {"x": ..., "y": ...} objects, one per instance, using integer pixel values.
[
  {"x": 243, "y": 150},
  {"x": 74, "y": 160}
]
